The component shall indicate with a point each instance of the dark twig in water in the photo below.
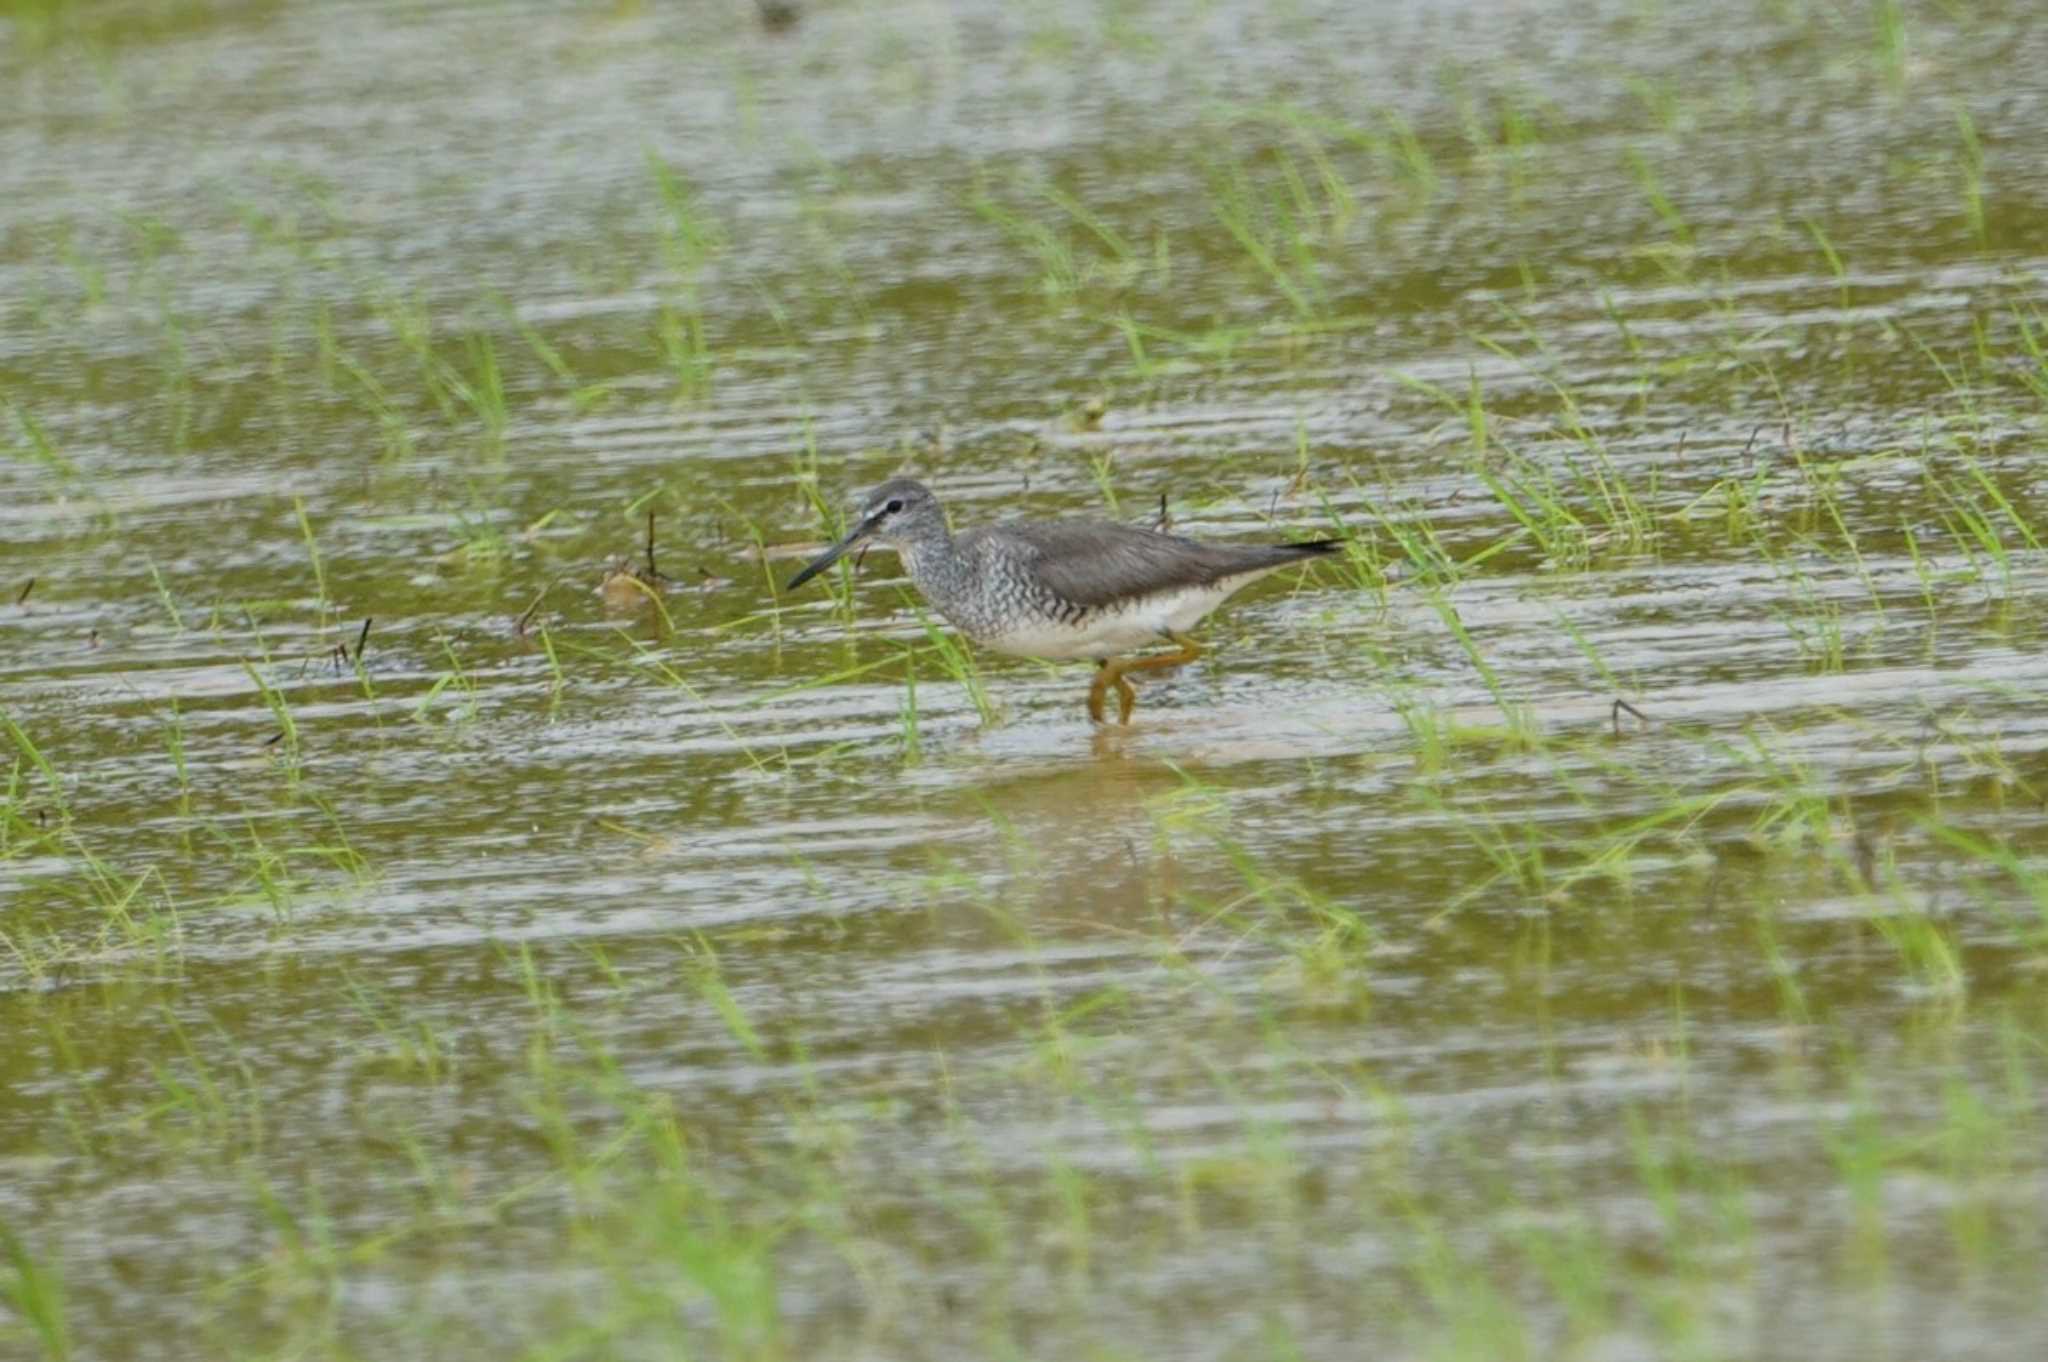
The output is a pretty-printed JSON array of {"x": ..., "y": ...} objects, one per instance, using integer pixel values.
[
  {"x": 1165, "y": 522},
  {"x": 23, "y": 597},
  {"x": 1615, "y": 714},
  {"x": 274, "y": 739},
  {"x": 363, "y": 637},
  {"x": 653, "y": 573}
]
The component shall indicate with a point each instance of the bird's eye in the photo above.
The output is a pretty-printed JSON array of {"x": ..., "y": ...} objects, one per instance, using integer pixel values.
[{"x": 895, "y": 505}]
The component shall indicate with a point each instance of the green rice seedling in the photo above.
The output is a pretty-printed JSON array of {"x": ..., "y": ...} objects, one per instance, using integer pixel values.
[
  {"x": 1411, "y": 159},
  {"x": 1518, "y": 720},
  {"x": 705, "y": 976},
  {"x": 1995, "y": 495},
  {"x": 1890, "y": 41},
  {"x": 411, "y": 323},
  {"x": 456, "y": 677},
  {"x": 1629, "y": 340},
  {"x": 312, "y": 553},
  {"x": 1335, "y": 205},
  {"x": 685, "y": 348},
  {"x": 689, "y": 242},
  {"x": 1060, "y": 275},
  {"x": 1861, "y": 1148},
  {"x": 130, "y": 916},
  {"x": 1193, "y": 351},
  {"x": 482, "y": 389},
  {"x": 913, "y": 745},
  {"x": 33, "y": 442},
  {"x": 1362, "y": 563},
  {"x": 1142, "y": 364},
  {"x": 90, "y": 273},
  {"x": 33, "y": 1291},
  {"x": 308, "y": 1258},
  {"x": 1978, "y": 1158},
  {"x": 174, "y": 747},
  {"x": 690, "y": 239},
  {"x": 1430, "y": 563},
  {"x": 1282, "y": 895},
  {"x": 1271, "y": 237},
  {"x": 1827, "y": 494},
  {"x": 1092, "y": 222},
  {"x": 1608, "y": 680},
  {"x": 1476, "y": 1320},
  {"x": 958, "y": 662},
  {"x": 1925, "y": 573},
  {"x": 26, "y": 750},
  {"x": 1651, "y": 184},
  {"x": 266, "y": 876},
  {"x": 338, "y": 854},
  {"x": 1834, "y": 259},
  {"x": 411, "y": 1046},
  {"x": 191, "y": 1101},
  {"x": 1816, "y": 626},
  {"x": 1606, "y": 855},
  {"x": 1659, "y": 97},
  {"x": 1742, "y": 516},
  {"x": 163, "y": 594},
  {"x": 1793, "y": 1005},
  {"x": 1976, "y": 530},
  {"x": 2033, "y": 377},
  {"x": 1433, "y": 735},
  {"x": 1102, "y": 467},
  {"x": 1925, "y": 948},
  {"x": 558, "y": 681},
  {"x": 583, "y": 397},
  {"x": 1517, "y": 855},
  {"x": 644, "y": 654},
  {"x": 398, "y": 439},
  {"x": 286, "y": 740},
  {"x": 1532, "y": 498},
  {"x": 175, "y": 396},
  {"x": 2031, "y": 883},
  {"x": 1469, "y": 408}
]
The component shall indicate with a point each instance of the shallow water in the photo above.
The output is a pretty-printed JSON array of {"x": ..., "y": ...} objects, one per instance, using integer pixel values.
[{"x": 561, "y": 977}]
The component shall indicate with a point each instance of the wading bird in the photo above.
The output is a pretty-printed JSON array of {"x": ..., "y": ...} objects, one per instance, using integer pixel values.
[{"x": 1063, "y": 589}]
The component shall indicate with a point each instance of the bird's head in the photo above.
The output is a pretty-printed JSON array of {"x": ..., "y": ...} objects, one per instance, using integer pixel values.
[{"x": 900, "y": 511}]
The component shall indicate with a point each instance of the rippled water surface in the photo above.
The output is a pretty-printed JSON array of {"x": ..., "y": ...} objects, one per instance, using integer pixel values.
[{"x": 1602, "y": 915}]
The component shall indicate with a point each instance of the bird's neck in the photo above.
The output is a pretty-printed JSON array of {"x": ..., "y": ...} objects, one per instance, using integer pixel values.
[{"x": 932, "y": 560}]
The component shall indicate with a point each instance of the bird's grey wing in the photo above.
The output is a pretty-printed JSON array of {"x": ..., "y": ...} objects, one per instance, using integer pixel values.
[{"x": 1096, "y": 562}]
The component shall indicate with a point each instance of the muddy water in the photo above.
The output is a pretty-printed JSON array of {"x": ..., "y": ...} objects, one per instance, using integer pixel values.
[{"x": 1385, "y": 982}]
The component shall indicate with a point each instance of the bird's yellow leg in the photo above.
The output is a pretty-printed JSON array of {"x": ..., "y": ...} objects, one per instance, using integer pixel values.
[
  {"x": 1110, "y": 672},
  {"x": 1113, "y": 673},
  {"x": 1126, "y": 699},
  {"x": 1099, "y": 689}
]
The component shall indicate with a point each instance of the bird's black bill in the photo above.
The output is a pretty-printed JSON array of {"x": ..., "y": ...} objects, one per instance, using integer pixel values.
[{"x": 830, "y": 556}]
